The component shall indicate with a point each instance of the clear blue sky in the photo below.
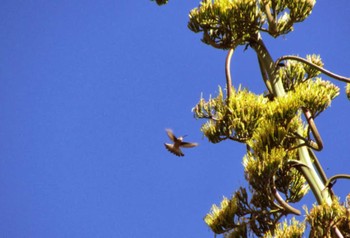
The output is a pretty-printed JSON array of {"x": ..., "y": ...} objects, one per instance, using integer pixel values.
[{"x": 86, "y": 91}]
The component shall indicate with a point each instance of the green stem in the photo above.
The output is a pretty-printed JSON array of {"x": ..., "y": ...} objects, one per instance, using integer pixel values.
[
  {"x": 312, "y": 177},
  {"x": 265, "y": 77},
  {"x": 318, "y": 166},
  {"x": 269, "y": 67}
]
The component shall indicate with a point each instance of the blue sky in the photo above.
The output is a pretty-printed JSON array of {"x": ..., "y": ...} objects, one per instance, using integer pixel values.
[{"x": 86, "y": 91}]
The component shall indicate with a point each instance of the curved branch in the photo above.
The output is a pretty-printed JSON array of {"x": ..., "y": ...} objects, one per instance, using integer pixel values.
[
  {"x": 326, "y": 72},
  {"x": 318, "y": 145},
  {"x": 283, "y": 203},
  {"x": 335, "y": 177},
  {"x": 312, "y": 126},
  {"x": 228, "y": 72},
  {"x": 296, "y": 164},
  {"x": 241, "y": 140},
  {"x": 308, "y": 143}
]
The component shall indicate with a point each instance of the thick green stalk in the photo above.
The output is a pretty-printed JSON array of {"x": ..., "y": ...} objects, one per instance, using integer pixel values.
[
  {"x": 317, "y": 186},
  {"x": 312, "y": 177},
  {"x": 269, "y": 66}
]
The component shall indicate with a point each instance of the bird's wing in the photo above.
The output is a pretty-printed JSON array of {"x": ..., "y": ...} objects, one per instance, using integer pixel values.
[
  {"x": 171, "y": 135},
  {"x": 172, "y": 149},
  {"x": 188, "y": 144}
]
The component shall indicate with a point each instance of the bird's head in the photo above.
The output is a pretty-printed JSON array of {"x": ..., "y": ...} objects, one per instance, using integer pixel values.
[{"x": 181, "y": 138}]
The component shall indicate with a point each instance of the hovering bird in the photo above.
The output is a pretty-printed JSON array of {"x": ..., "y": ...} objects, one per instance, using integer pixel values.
[{"x": 178, "y": 142}]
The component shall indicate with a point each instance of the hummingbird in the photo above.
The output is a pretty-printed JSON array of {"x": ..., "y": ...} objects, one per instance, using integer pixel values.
[{"x": 178, "y": 142}]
